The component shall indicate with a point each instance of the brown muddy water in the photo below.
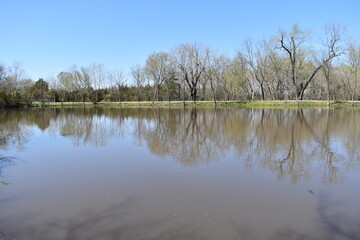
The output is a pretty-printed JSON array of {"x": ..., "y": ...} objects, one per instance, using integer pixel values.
[{"x": 110, "y": 173}]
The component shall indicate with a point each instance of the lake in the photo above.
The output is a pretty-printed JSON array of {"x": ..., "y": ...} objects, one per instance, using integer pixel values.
[{"x": 143, "y": 173}]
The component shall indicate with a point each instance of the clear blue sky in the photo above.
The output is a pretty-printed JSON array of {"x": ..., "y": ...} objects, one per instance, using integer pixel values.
[{"x": 48, "y": 36}]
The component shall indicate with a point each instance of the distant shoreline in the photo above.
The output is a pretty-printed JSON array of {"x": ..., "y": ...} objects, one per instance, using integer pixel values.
[{"x": 245, "y": 104}]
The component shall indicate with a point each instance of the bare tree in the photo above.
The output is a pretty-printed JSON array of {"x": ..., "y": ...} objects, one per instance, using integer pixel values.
[
  {"x": 81, "y": 81},
  {"x": 237, "y": 79},
  {"x": 328, "y": 70},
  {"x": 259, "y": 63},
  {"x": 214, "y": 72},
  {"x": 292, "y": 44},
  {"x": 53, "y": 86},
  {"x": 190, "y": 60},
  {"x": 351, "y": 69},
  {"x": 97, "y": 74},
  {"x": 117, "y": 79},
  {"x": 219, "y": 72},
  {"x": 158, "y": 69},
  {"x": 138, "y": 75},
  {"x": 65, "y": 84},
  {"x": 2, "y": 73},
  {"x": 11, "y": 77}
]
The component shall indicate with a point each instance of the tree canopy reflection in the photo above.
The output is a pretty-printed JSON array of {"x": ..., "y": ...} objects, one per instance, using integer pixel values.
[{"x": 292, "y": 143}]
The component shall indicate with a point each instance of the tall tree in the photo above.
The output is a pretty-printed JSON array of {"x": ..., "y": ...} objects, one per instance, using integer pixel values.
[
  {"x": 292, "y": 44},
  {"x": 351, "y": 69},
  {"x": 40, "y": 91},
  {"x": 98, "y": 78},
  {"x": 117, "y": 80},
  {"x": 190, "y": 61},
  {"x": 138, "y": 75},
  {"x": 158, "y": 69},
  {"x": 2, "y": 73},
  {"x": 215, "y": 70},
  {"x": 278, "y": 85},
  {"x": 81, "y": 81},
  {"x": 65, "y": 84},
  {"x": 259, "y": 63},
  {"x": 236, "y": 82},
  {"x": 328, "y": 72},
  {"x": 11, "y": 77}
]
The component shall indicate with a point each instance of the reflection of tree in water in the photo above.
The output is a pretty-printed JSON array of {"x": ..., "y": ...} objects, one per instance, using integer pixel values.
[
  {"x": 294, "y": 143},
  {"x": 14, "y": 130},
  {"x": 287, "y": 143},
  {"x": 4, "y": 163},
  {"x": 4, "y": 160},
  {"x": 191, "y": 136},
  {"x": 13, "y": 133},
  {"x": 84, "y": 126}
]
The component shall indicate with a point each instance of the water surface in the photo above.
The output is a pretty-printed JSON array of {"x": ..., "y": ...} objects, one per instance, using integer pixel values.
[{"x": 112, "y": 173}]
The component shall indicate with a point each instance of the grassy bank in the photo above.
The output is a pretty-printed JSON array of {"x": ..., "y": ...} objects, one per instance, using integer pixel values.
[{"x": 246, "y": 104}]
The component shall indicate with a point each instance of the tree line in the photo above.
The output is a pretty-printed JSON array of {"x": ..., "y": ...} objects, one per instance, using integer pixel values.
[{"x": 288, "y": 65}]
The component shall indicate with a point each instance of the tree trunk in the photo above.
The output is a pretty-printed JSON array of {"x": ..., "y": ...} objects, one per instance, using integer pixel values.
[
  {"x": 119, "y": 89},
  {"x": 183, "y": 93},
  {"x": 328, "y": 88},
  {"x": 155, "y": 95},
  {"x": 213, "y": 91},
  {"x": 262, "y": 92},
  {"x": 301, "y": 94},
  {"x": 194, "y": 94}
]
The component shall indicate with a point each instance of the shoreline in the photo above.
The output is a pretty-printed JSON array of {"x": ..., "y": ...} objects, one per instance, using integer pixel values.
[{"x": 243, "y": 104}]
